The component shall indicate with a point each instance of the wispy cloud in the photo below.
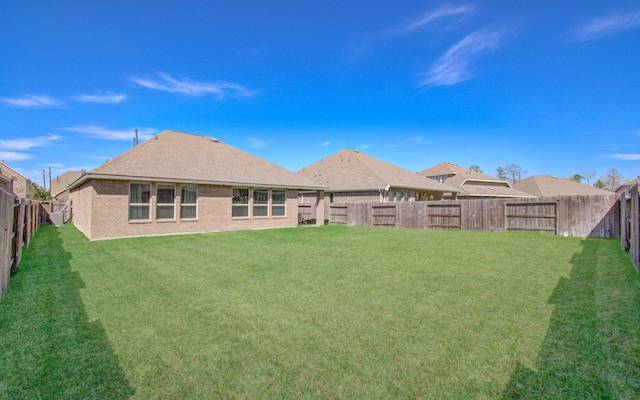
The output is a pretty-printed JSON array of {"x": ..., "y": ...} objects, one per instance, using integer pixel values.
[
  {"x": 326, "y": 143},
  {"x": 606, "y": 26},
  {"x": 100, "y": 132},
  {"x": 14, "y": 156},
  {"x": 108, "y": 97},
  {"x": 364, "y": 146},
  {"x": 255, "y": 143},
  {"x": 220, "y": 90},
  {"x": 427, "y": 18},
  {"x": 419, "y": 140},
  {"x": 455, "y": 65},
  {"x": 623, "y": 157},
  {"x": 27, "y": 143},
  {"x": 31, "y": 100}
]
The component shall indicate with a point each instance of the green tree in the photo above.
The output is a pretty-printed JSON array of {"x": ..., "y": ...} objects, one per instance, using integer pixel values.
[
  {"x": 38, "y": 192},
  {"x": 501, "y": 174},
  {"x": 576, "y": 178},
  {"x": 600, "y": 185},
  {"x": 475, "y": 168}
]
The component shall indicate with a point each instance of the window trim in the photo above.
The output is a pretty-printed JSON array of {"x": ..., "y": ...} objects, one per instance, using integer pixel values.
[
  {"x": 274, "y": 205},
  {"x": 189, "y": 204},
  {"x": 157, "y": 204},
  {"x": 264, "y": 206},
  {"x": 241, "y": 205},
  {"x": 130, "y": 204}
]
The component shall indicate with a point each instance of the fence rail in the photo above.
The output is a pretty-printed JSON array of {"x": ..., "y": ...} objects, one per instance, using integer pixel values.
[
  {"x": 19, "y": 219},
  {"x": 581, "y": 216}
]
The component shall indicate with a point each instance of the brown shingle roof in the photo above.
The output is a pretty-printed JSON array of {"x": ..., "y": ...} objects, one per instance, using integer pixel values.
[
  {"x": 350, "y": 170},
  {"x": 60, "y": 183},
  {"x": 185, "y": 157},
  {"x": 472, "y": 183},
  {"x": 547, "y": 185}
]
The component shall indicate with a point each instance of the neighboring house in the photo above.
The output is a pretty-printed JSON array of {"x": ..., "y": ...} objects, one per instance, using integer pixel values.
[
  {"x": 59, "y": 185},
  {"x": 471, "y": 184},
  {"x": 352, "y": 176},
  {"x": 179, "y": 183},
  {"x": 547, "y": 185},
  {"x": 626, "y": 187},
  {"x": 14, "y": 182}
]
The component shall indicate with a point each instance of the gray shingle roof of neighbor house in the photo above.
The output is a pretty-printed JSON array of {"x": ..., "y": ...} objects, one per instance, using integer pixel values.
[
  {"x": 547, "y": 185},
  {"x": 173, "y": 156},
  {"x": 350, "y": 170},
  {"x": 471, "y": 183},
  {"x": 60, "y": 183},
  {"x": 627, "y": 185}
]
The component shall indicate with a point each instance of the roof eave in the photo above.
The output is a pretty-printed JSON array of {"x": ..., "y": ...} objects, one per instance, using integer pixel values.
[{"x": 89, "y": 176}]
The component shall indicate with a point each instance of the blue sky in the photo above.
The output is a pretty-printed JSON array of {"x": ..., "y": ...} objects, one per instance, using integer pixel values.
[{"x": 553, "y": 86}]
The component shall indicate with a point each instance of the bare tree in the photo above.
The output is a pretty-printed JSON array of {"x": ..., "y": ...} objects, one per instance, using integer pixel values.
[
  {"x": 514, "y": 172},
  {"x": 588, "y": 174},
  {"x": 613, "y": 178}
]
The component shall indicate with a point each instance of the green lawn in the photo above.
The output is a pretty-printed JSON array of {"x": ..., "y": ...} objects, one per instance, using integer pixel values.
[{"x": 321, "y": 312}]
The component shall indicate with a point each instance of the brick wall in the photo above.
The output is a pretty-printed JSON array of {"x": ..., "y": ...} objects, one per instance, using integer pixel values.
[{"x": 109, "y": 212}]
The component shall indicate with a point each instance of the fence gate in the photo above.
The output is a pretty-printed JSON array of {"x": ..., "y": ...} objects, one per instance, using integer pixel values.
[
  {"x": 338, "y": 214},
  {"x": 532, "y": 216},
  {"x": 444, "y": 216},
  {"x": 383, "y": 215}
]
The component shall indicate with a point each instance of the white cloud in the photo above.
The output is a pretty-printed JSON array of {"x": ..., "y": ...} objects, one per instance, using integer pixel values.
[
  {"x": 609, "y": 25},
  {"x": 108, "y": 97},
  {"x": 100, "y": 132},
  {"x": 364, "y": 146},
  {"x": 419, "y": 140},
  {"x": 13, "y": 156},
  {"x": 624, "y": 157},
  {"x": 192, "y": 88},
  {"x": 255, "y": 143},
  {"x": 31, "y": 100},
  {"x": 445, "y": 11},
  {"x": 455, "y": 65},
  {"x": 326, "y": 144},
  {"x": 27, "y": 143}
]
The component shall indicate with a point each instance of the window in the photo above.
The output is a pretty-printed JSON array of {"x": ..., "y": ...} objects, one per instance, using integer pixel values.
[
  {"x": 278, "y": 202},
  {"x": 139, "y": 201},
  {"x": 166, "y": 202},
  {"x": 406, "y": 196},
  {"x": 392, "y": 196},
  {"x": 240, "y": 203},
  {"x": 188, "y": 202},
  {"x": 260, "y": 202}
]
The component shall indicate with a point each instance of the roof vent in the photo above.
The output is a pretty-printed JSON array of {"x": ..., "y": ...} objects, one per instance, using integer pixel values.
[
  {"x": 214, "y": 140},
  {"x": 357, "y": 151}
]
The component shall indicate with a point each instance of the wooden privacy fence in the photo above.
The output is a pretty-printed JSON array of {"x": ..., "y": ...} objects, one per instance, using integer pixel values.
[
  {"x": 581, "y": 216},
  {"x": 630, "y": 225},
  {"x": 55, "y": 212},
  {"x": 18, "y": 223}
]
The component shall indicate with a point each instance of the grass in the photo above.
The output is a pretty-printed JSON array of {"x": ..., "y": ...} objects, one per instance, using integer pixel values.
[{"x": 329, "y": 312}]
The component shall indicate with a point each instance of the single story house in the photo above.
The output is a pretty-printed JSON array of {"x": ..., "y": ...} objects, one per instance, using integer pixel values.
[
  {"x": 60, "y": 184},
  {"x": 547, "y": 185},
  {"x": 14, "y": 182},
  {"x": 177, "y": 183},
  {"x": 352, "y": 176},
  {"x": 471, "y": 184}
]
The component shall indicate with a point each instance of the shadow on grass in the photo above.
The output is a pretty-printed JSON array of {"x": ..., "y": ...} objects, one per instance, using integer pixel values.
[
  {"x": 592, "y": 346},
  {"x": 50, "y": 349}
]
